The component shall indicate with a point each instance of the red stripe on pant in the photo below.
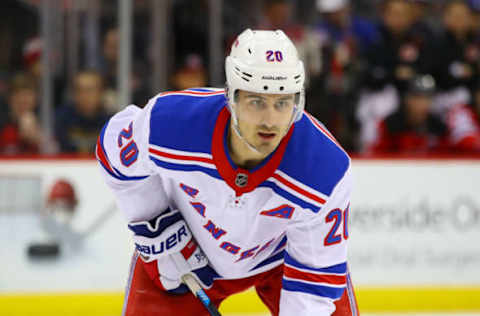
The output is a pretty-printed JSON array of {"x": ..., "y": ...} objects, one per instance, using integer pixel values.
[{"x": 146, "y": 299}]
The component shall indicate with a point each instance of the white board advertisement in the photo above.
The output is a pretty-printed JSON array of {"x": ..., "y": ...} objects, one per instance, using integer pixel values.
[
  {"x": 415, "y": 223},
  {"x": 411, "y": 223}
]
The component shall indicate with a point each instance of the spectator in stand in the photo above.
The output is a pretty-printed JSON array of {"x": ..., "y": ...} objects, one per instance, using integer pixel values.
[
  {"x": 78, "y": 124},
  {"x": 190, "y": 26},
  {"x": 413, "y": 129},
  {"x": 458, "y": 57},
  {"x": 191, "y": 74},
  {"x": 32, "y": 53},
  {"x": 476, "y": 103},
  {"x": 340, "y": 25},
  {"x": 20, "y": 132},
  {"x": 278, "y": 14},
  {"x": 110, "y": 56},
  {"x": 475, "y": 7},
  {"x": 343, "y": 39},
  {"x": 464, "y": 124},
  {"x": 400, "y": 53},
  {"x": 109, "y": 68},
  {"x": 424, "y": 21},
  {"x": 190, "y": 21},
  {"x": 4, "y": 83},
  {"x": 18, "y": 22},
  {"x": 32, "y": 63}
]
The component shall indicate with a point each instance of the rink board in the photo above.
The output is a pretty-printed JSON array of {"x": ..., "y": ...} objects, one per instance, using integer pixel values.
[{"x": 414, "y": 229}]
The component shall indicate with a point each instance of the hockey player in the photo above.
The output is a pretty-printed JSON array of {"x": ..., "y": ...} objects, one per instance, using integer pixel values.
[{"x": 239, "y": 187}]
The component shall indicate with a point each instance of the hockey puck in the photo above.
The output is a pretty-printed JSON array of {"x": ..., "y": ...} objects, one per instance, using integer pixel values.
[{"x": 40, "y": 251}]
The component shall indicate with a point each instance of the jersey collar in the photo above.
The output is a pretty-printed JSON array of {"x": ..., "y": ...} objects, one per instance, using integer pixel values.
[{"x": 239, "y": 179}]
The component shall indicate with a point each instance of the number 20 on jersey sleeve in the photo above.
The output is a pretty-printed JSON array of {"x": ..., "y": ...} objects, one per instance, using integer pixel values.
[
  {"x": 337, "y": 216},
  {"x": 129, "y": 151}
]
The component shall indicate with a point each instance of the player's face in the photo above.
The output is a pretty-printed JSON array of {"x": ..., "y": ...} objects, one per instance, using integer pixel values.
[{"x": 264, "y": 119}]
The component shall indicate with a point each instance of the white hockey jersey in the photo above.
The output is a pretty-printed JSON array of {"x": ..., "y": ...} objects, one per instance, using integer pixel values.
[{"x": 291, "y": 209}]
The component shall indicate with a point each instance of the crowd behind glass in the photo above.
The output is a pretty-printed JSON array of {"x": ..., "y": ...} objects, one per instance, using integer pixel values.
[{"x": 386, "y": 76}]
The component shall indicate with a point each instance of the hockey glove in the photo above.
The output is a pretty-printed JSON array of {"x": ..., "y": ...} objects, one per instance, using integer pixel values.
[{"x": 169, "y": 251}]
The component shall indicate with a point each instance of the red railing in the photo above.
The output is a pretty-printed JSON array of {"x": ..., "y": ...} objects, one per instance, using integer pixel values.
[{"x": 396, "y": 156}]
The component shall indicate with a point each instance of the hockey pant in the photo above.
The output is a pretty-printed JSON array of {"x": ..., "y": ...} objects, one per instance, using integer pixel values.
[{"x": 143, "y": 298}]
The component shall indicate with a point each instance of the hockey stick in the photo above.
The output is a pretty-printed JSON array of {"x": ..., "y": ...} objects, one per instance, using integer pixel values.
[
  {"x": 189, "y": 280},
  {"x": 199, "y": 293}
]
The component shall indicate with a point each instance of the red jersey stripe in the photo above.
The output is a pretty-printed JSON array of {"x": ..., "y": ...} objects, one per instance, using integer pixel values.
[
  {"x": 102, "y": 157},
  {"x": 299, "y": 190},
  {"x": 180, "y": 157},
  {"x": 313, "y": 277},
  {"x": 192, "y": 93}
]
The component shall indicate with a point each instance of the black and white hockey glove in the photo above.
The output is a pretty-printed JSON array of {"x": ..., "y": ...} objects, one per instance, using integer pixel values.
[{"x": 169, "y": 251}]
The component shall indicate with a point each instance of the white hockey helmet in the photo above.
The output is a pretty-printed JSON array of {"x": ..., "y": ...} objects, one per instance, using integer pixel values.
[{"x": 265, "y": 62}]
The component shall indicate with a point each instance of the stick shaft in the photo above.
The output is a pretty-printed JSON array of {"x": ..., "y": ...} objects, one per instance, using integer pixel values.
[{"x": 199, "y": 293}]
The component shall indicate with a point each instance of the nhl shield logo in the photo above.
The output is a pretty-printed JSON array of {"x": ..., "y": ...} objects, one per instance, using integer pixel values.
[{"x": 241, "y": 180}]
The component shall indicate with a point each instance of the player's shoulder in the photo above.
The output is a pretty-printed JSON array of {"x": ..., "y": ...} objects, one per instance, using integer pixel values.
[
  {"x": 184, "y": 120},
  {"x": 182, "y": 103},
  {"x": 314, "y": 160}
]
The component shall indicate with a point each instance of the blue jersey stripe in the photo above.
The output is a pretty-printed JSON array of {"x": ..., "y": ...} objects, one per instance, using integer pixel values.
[
  {"x": 108, "y": 171},
  {"x": 338, "y": 268},
  {"x": 121, "y": 176},
  {"x": 180, "y": 167},
  {"x": 319, "y": 290},
  {"x": 102, "y": 135},
  {"x": 289, "y": 196},
  {"x": 203, "y": 90},
  {"x": 282, "y": 243},
  {"x": 277, "y": 257}
]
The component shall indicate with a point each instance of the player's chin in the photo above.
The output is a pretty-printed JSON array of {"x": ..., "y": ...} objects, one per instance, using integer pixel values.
[{"x": 267, "y": 148}]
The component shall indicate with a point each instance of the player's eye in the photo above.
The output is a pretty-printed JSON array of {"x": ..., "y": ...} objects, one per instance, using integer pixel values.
[
  {"x": 282, "y": 105},
  {"x": 257, "y": 104}
]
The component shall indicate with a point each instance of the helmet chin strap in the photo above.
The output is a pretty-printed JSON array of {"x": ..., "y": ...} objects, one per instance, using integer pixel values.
[{"x": 239, "y": 134}]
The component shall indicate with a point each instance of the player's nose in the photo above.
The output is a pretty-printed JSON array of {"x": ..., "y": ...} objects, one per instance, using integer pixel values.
[{"x": 268, "y": 116}]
